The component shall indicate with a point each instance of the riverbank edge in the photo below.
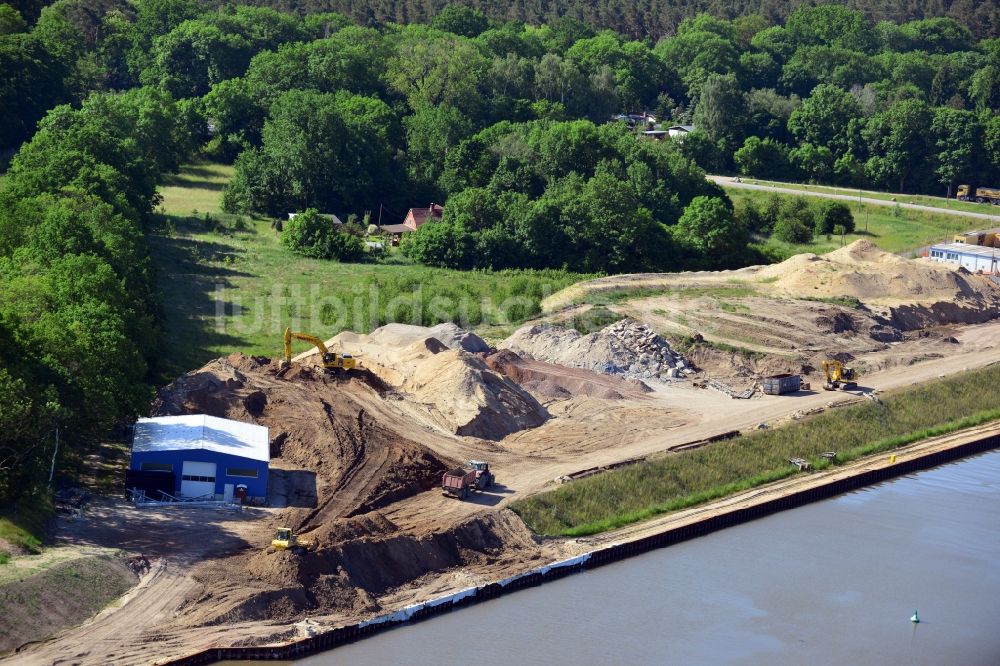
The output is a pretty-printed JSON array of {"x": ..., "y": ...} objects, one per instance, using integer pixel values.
[{"x": 828, "y": 484}]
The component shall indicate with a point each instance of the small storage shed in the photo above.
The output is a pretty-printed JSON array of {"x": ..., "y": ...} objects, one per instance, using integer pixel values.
[{"x": 207, "y": 455}]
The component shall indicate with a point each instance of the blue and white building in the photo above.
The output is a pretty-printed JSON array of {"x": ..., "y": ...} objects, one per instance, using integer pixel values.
[
  {"x": 208, "y": 456},
  {"x": 974, "y": 258}
]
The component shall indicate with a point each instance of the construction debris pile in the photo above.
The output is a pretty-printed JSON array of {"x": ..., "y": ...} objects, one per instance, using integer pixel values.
[{"x": 626, "y": 348}]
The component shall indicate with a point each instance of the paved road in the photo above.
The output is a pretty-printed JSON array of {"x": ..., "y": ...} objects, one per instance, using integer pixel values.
[{"x": 728, "y": 181}]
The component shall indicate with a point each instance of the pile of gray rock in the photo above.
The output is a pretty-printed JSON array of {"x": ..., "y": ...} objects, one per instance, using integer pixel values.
[
  {"x": 640, "y": 353},
  {"x": 627, "y": 348}
]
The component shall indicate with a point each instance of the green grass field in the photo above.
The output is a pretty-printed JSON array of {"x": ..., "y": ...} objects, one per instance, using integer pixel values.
[
  {"x": 920, "y": 199},
  {"x": 196, "y": 189},
  {"x": 228, "y": 285},
  {"x": 677, "y": 481},
  {"x": 907, "y": 230}
]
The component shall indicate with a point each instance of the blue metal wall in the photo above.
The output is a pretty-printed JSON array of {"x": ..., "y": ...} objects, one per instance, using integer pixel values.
[{"x": 255, "y": 487}]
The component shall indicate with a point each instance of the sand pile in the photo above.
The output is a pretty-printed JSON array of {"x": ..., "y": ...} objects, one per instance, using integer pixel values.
[
  {"x": 863, "y": 271},
  {"x": 459, "y": 392},
  {"x": 626, "y": 348},
  {"x": 336, "y": 449},
  {"x": 558, "y": 381},
  {"x": 453, "y": 337},
  {"x": 350, "y": 574}
]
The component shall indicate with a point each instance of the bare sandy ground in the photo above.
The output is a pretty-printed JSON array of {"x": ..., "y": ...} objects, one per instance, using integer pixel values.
[{"x": 169, "y": 613}]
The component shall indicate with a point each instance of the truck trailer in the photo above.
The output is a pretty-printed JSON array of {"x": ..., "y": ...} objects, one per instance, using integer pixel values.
[
  {"x": 459, "y": 482},
  {"x": 981, "y": 195}
]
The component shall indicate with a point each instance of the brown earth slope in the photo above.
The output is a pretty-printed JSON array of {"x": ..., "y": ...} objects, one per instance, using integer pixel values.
[{"x": 316, "y": 426}]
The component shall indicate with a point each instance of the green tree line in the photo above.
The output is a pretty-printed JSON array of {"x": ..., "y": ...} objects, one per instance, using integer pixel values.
[
  {"x": 78, "y": 307},
  {"x": 505, "y": 117},
  {"x": 644, "y": 19}
]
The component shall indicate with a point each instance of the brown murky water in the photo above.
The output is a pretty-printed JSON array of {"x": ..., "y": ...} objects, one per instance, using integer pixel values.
[{"x": 830, "y": 583}]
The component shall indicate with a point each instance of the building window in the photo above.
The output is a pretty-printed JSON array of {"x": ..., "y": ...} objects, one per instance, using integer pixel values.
[
  {"x": 156, "y": 467},
  {"x": 953, "y": 256},
  {"x": 189, "y": 477},
  {"x": 242, "y": 471},
  {"x": 935, "y": 253}
]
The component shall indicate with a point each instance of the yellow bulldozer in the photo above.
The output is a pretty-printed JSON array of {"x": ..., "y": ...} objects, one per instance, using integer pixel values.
[
  {"x": 838, "y": 377},
  {"x": 286, "y": 539},
  {"x": 330, "y": 360}
]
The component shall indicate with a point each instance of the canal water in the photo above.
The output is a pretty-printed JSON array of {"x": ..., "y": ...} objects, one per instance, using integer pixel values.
[{"x": 830, "y": 583}]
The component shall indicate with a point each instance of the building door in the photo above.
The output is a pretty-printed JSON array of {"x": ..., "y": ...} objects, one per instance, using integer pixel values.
[{"x": 197, "y": 479}]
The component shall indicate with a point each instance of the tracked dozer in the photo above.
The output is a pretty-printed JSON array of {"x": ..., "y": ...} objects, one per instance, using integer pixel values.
[{"x": 286, "y": 539}]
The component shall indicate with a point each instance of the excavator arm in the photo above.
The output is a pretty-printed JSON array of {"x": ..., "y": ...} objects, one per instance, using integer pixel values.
[
  {"x": 833, "y": 370},
  {"x": 331, "y": 360},
  {"x": 305, "y": 337}
]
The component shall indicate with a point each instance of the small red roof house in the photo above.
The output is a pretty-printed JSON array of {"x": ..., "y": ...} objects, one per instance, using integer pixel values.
[{"x": 417, "y": 217}]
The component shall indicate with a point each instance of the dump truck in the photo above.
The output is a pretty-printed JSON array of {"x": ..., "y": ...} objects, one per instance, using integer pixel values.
[
  {"x": 459, "y": 482},
  {"x": 783, "y": 383},
  {"x": 981, "y": 194}
]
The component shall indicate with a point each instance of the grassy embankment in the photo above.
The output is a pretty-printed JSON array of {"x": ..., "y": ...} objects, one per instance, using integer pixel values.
[
  {"x": 228, "y": 285},
  {"x": 893, "y": 230},
  {"x": 23, "y": 526},
  {"x": 919, "y": 199},
  {"x": 677, "y": 481}
]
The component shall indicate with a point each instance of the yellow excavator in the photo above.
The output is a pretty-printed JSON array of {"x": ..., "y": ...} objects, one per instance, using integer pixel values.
[
  {"x": 285, "y": 539},
  {"x": 838, "y": 377},
  {"x": 331, "y": 360}
]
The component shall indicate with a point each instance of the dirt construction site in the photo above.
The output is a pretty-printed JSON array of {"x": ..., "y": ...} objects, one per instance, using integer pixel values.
[{"x": 357, "y": 458}]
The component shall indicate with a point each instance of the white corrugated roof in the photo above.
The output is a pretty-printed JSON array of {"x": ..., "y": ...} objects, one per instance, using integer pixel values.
[
  {"x": 969, "y": 250},
  {"x": 200, "y": 431}
]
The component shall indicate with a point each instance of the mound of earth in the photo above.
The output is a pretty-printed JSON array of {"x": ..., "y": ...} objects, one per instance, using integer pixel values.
[
  {"x": 626, "y": 348},
  {"x": 558, "y": 381},
  {"x": 365, "y": 559},
  {"x": 453, "y": 337},
  {"x": 55, "y": 596},
  {"x": 863, "y": 271},
  {"x": 352, "y": 462},
  {"x": 458, "y": 392}
]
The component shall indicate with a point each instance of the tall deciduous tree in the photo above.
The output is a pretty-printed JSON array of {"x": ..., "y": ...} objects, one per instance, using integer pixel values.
[
  {"x": 958, "y": 139},
  {"x": 433, "y": 67},
  {"x": 899, "y": 143},
  {"x": 823, "y": 118},
  {"x": 331, "y": 151},
  {"x": 709, "y": 228},
  {"x": 721, "y": 110}
]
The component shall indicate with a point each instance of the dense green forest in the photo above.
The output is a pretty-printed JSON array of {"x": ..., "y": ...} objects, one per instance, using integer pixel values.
[
  {"x": 647, "y": 19},
  {"x": 504, "y": 115}
]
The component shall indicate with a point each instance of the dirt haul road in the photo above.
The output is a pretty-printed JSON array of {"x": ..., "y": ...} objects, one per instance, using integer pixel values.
[{"x": 213, "y": 583}]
